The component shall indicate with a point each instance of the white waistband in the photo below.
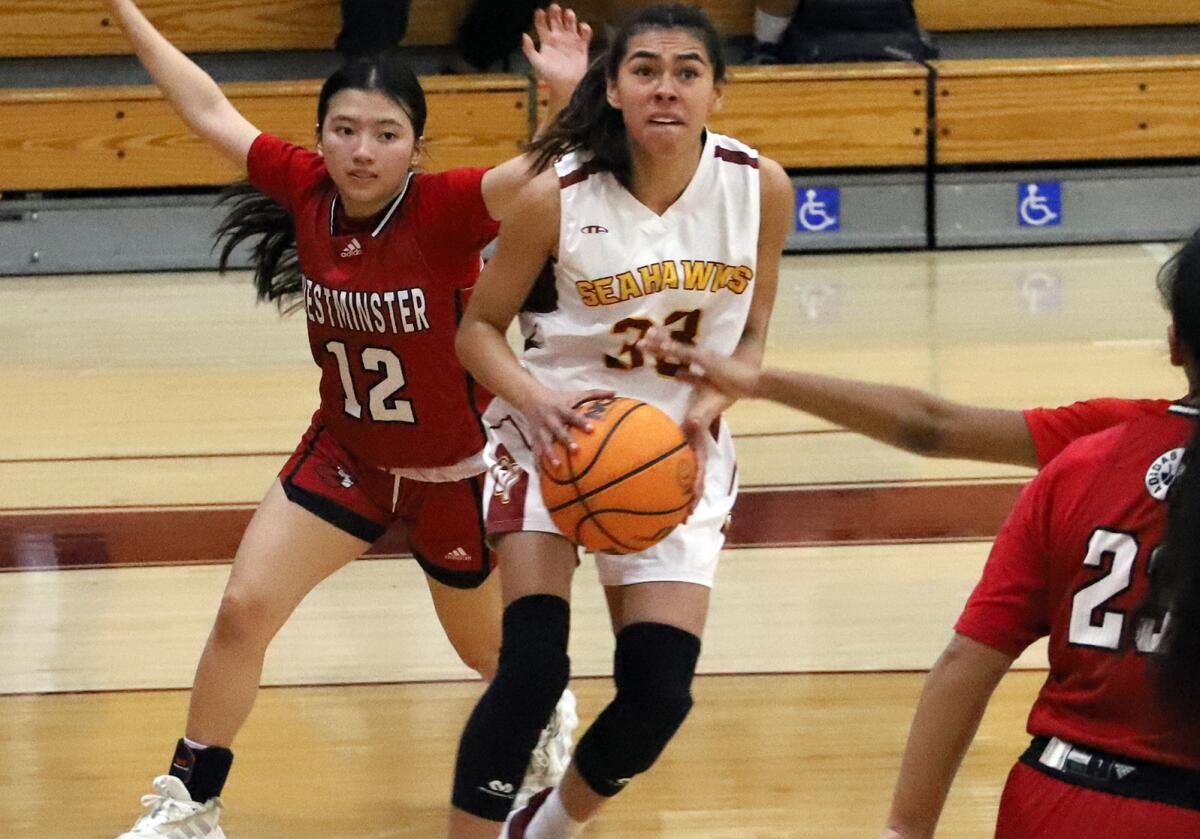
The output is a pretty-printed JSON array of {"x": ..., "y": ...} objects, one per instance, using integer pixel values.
[{"x": 465, "y": 468}]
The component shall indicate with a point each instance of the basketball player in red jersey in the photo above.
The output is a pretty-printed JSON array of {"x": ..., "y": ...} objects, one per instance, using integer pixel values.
[
  {"x": 1114, "y": 753},
  {"x": 1100, "y": 554},
  {"x": 386, "y": 256}
]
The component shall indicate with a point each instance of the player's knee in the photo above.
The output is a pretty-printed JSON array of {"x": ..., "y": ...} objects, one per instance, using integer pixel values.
[
  {"x": 654, "y": 667},
  {"x": 533, "y": 668},
  {"x": 655, "y": 664},
  {"x": 245, "y": 619}
]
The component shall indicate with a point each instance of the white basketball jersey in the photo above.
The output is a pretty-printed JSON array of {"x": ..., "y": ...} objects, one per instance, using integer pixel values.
[{"x": 622, "y": 268}]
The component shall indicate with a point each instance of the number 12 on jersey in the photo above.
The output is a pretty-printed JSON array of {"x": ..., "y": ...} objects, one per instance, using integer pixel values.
[{"x": 384, "y": 405}]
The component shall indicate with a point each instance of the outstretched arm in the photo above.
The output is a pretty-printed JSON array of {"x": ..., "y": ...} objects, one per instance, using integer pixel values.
[
  {"x": 903, "y": 417},
  {"x": 192, "y": 92},
  {"x": 559, "y": 60},
  {"x": 952, "y": 704}
]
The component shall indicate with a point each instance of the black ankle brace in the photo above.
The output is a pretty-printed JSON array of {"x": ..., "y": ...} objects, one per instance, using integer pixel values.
[{"x": 203, "y": 771}]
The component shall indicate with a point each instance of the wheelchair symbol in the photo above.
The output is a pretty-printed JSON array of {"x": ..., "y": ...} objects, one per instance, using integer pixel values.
[
  {"x": 1037, "y": 209},
  {"x": 815, "y": 215}
]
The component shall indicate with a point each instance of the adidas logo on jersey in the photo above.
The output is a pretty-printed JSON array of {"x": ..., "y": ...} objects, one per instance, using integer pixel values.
[
  {"x": 1162, "y": 473},
  {"x": 458, "y": 555},
  {"x": 352, "y": 249}
]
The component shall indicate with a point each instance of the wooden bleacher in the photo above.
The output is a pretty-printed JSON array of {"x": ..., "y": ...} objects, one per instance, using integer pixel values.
[
  {"x": 85, "y": 27},
  {"x": 1012, "y": 111},
  {"x": 961, "y": 15},
  {"x": 736, "y": 17},
  {"x": 128, "y": 137},
  {"x": 806, "y": 117},
  {"x": 831, "y": 115}
]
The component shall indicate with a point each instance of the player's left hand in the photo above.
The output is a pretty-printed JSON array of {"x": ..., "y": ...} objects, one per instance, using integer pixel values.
[{"x": 561, "y": 56}]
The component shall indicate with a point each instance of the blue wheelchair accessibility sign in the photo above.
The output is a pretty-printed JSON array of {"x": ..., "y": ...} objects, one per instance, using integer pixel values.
[
  {"x": 818, "y": 210},
  {"x": 1040, "y": 204}
]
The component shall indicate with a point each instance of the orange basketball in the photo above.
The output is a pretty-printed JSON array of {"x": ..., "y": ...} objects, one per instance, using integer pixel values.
[{"x": 627, "y": 485}]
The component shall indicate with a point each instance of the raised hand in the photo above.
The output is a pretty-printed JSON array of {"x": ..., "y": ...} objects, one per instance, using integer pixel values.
[{"x": 561, "y": 56}]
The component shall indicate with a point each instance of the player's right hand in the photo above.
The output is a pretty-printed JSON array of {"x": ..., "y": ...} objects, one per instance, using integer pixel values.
[
  {"x": 733, "y": 378},
  {"x": 550, "y": 415}
]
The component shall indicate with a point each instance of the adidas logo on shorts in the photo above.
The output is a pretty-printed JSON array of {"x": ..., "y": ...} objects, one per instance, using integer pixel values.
[
  {"x": 352, "y": 249},
  {"x": 458, "y": 555}
]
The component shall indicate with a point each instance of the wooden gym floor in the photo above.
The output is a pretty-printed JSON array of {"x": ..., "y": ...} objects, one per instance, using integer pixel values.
[{"x": 145, "y": 415}]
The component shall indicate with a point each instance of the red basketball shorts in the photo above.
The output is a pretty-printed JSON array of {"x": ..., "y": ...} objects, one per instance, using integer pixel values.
[
  {"x": 1037, "y": 806},
  {"x": 443, "y": 518}
]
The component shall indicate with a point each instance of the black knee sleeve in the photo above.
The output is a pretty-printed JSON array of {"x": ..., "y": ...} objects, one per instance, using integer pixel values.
[
  {"x": 654, "y": 666},
  {"x": 504, "y": 727}
]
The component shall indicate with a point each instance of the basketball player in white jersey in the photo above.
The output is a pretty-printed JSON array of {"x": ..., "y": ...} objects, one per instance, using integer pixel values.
[{"x": 647, "y": 219}]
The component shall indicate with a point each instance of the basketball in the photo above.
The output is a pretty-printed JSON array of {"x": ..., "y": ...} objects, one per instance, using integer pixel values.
[{"x": 627, "y": 485}]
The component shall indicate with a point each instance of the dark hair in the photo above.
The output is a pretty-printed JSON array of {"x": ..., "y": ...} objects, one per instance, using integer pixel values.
[
  {"x": 253, "y": 215},
  {"x": 1175, "y": 575},
  {"x": 589, "y": 122}
]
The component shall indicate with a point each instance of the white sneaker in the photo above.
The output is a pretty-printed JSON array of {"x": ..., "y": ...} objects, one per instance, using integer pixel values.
[
  {"x": 552, "y": 754},
  {"x": 170, "y": 813}
]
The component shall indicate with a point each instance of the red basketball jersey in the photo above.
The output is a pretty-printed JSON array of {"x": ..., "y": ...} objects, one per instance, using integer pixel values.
[
  {"x": 383, "y": 306},
  {"x": 1053, "y": 429},
  {"x": 1072, "y": 562}
]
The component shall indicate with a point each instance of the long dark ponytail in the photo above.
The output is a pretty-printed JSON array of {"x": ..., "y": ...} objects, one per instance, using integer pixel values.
[
  {"x": 589, "y": 122},
  {"x": 256, "y": 218},
  {"x": 1175, "y": 575}
]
